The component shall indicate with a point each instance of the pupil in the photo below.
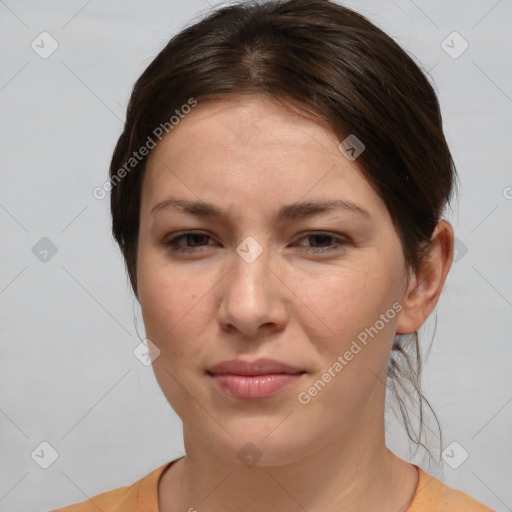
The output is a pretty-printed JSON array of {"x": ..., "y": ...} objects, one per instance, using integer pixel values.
[
  {"x": 321, "y": 237},
  {"x": 195, "y": 237}
]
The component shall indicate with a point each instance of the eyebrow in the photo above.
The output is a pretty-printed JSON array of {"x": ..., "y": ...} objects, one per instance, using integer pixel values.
[{"x": 287, "y": 212}]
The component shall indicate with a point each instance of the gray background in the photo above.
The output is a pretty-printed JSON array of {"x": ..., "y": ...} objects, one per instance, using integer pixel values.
[{"x": 68, "y": 375}]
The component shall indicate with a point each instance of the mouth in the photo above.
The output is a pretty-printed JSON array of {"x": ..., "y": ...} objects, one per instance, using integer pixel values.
[
  {"x": 249, "y": 380},
  {"x": 253, "y": 368}
]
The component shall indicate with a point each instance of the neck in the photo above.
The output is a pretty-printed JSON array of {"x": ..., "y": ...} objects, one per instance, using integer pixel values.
[{"x": 353, "y": 472}]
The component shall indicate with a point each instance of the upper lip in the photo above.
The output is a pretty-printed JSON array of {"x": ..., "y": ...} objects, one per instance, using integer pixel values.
[{"x": 256, "y": 367}]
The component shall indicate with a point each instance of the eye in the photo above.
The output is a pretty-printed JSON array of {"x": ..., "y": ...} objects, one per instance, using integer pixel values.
[
  {"x": 323, "y": 242},
  {"x": 194, "y": 242},
  {"x": 194, "y": 239}
]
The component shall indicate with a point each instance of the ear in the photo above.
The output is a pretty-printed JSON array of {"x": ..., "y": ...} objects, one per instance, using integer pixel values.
[{"x": 425, "y": 287}]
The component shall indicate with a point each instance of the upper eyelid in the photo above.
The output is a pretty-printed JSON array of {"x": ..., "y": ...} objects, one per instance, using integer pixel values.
[{"x": 335, "y": 236}]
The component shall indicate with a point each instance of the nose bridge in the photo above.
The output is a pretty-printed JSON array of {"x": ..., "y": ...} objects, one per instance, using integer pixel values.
[
  {"x": 250, "y": 298},
  {"x": 250, "y": 274}
]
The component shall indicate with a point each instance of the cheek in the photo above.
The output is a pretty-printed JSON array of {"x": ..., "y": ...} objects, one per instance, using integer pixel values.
[
  {"x": 172, "y": 306},
  {"x": 347, "y": 301},
  {"x": 174, "y": 318},
  {"x": 353, "y": 340}
]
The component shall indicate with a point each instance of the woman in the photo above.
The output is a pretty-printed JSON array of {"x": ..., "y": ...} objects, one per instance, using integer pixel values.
[{"x": 277, "y": 195}]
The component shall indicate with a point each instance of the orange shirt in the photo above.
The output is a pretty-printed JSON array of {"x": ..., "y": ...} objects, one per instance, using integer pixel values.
[{"x": 142, "y": 496}]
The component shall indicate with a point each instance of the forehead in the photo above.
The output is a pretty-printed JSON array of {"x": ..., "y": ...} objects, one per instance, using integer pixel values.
[
  {"x": 254, "y": 121},
  {"x": 255, "y": 144}
]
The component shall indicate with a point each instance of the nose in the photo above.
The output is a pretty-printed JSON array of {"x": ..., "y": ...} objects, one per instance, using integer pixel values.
[{"x": 254, "y": 298}]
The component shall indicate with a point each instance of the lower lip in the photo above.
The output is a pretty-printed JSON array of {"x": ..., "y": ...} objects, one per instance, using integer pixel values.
[{"x": 255, "y": 386}]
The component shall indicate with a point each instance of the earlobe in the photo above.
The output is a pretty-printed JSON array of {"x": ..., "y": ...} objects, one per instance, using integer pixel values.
[{"x": 426, "y": 286}]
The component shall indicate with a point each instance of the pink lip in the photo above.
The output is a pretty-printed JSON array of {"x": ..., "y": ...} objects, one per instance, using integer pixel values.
[
  {"x": 257, "y": 379},
  {"x": 254, "y": 386},
  {"x": 257, "y": 367}
]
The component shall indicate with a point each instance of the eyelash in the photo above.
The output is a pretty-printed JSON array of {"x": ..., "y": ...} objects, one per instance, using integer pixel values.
[{"x": 172, "y": 244}]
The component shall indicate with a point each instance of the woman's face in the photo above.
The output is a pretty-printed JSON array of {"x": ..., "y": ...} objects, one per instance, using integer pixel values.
[{"x": 270, "y": 272}]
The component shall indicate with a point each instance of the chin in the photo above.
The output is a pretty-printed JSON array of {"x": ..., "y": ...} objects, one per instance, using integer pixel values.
[{"x": 255, "y": 447}]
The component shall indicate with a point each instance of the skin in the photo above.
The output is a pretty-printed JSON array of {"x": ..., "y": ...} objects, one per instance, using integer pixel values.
[{"x": 250, "y": 156}]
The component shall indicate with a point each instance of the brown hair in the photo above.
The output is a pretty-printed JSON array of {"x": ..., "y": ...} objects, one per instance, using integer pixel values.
[{"x": 333, "y": 63}]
